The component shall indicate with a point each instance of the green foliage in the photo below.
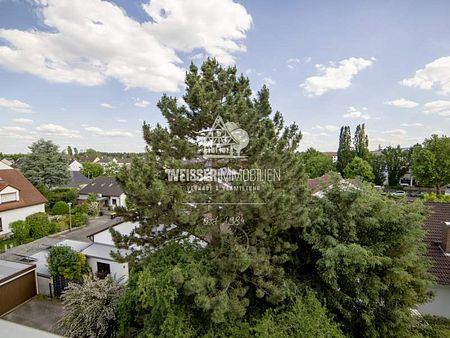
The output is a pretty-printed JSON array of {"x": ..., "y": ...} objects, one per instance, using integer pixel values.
[
  {"x": 439, "y": 327},
  {"x": 68, "y": 195},
  {"x": 397, "y": 164},
  {"x": 46, "y": 165},
  {"x": 431, "y": 162},
  {"x": 21, "y": 231},
  {"x": 91, "y": 198},
  {"x": 79, "y": 219},
  {"x": 63, "y": 261},
  {"x": 378, "y": 168},
  {"x": 345, "y": 152},
  {"x": 81, "y": 208},
  {"x": 111, "y": 169},
  {"x": 91, "y": 169},
  {"x": 60, "y": 208},
  {"x": 316, "y": 163},
  {"x": 359, "y": 168},
  {"x": 40, "y": 226},
  {"x": 436, "y": 198},
  {"x": 361, "y": 142},
  {"x": 90, "y": 309},
  {"x": 364, "y": 254}
]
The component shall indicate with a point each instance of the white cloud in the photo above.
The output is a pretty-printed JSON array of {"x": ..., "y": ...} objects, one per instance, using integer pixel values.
[
  {"x": 402, "y": 103},
  {"x": 51, "y": 129},
  {"x": 439, "y": 107},
  {"x": 23, "y": 121},
  {"x": 412, "y": 125},
  {"x": 110, "y": 133},
  {"x": 335, "y": 76},
  {"x": 141, "y": 103},
  {"x": 95, "y": 40},
  {"x": 107, "y": 105},
  {"x": 268, "y": 81},
  {"x": 355, "y": 114},
  {"x": 121, "y": 120},
  {"x": 395, "y": 132},
  {"x": 328, "y": 127},
  {"x": 435, "y": 75},
  {"x": 15, "y": 105},
  {"x": 17, "y": 133}
]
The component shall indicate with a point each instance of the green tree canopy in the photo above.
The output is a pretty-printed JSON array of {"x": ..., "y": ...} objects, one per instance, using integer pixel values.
[
  {"x": 431, "y": 162},
  {"x": 64, "y": 261},
  {"x": 397, "y": 163},
  {"x": 46, "y": 165},
  {"x": 359, "y": 168},
  {"x": 91, "y": 169},
  {"x": 378, "y": 168},
  {"x": 345, "y": 152},
  {"x": 316, "y": 163},
  {"x": 361, "y": 142}
]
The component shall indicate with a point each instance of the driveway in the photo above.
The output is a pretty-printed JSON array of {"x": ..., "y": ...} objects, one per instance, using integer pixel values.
[
  {"x": 38, "y": 313},
  {"x": 95, "y": 225}
]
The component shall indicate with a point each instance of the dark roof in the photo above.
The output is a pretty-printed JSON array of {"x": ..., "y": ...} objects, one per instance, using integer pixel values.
[
  {"x": 107, "y": 186},
  {"x": 28, "y": 194},
  {"x": 440, "y": 263},
  {"x": 77, "y": 179}
]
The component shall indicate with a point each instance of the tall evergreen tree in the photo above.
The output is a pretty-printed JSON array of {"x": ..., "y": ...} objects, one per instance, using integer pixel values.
[
  {"x": 361, "y": 142},
  {"x": 69, "y": 151},
  {"x": 345, "y": 153},
  {"x": 46, "y": 165}
]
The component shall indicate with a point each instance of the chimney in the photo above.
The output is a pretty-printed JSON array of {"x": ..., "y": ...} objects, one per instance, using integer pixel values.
[{"x": 446, "y": 237}]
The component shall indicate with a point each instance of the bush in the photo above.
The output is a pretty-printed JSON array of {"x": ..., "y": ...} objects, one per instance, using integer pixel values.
[
  {"x": 60, "y": 208},
  {"x": 21, "y": 231},
  {"x": 79, "y": 219},
  {"x": 63, "y": 261},
  {"x": 93, "y": 209},
  {"x": 68, "y": 195},
  {"x": 82, "y": 208},
  {"x": 436, "y": 198},
  {"x": 39, "y": 225}
]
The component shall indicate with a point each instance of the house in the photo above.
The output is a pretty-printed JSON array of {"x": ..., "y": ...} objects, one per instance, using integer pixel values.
[
  {"x": 332, "y": 155},
  {"x": 437, "y": 240},
  {"x": 18, "y": 198},
  {"x": 7, "y": 161},
  {"x": 107, "y": 190},
  {"x": 75, "y": 166},
  {"x": 77, "y": 180}
]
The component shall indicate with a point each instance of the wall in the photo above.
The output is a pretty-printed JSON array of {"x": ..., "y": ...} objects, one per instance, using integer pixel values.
[
  {"x": 17, "y": 291},
  {"x": 13, "y": 215},
  {"x": 43, "y": 285},
  {"x": 440, "y": 305},
  {"x": 118, "y": 270}
]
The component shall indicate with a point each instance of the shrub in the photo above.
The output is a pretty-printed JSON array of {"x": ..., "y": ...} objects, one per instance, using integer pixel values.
[
  {"x": 90, "y": 309},
  {"x": 39, "y": 225},
  {"x": 62, "y": 194},
  {"x": 21, "y": 231},
  {"x": 60, "y": 208},
  {"x": 81, "y": 208},
  {"x": 63, "y": 261},
  {"x": 79, "y": 219},
  {"x": 436, "y": 198},
  {"x": 93, "y": 209}
]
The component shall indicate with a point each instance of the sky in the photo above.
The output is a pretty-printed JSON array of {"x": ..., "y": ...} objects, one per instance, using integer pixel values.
[{"x": 87, "y": 73}]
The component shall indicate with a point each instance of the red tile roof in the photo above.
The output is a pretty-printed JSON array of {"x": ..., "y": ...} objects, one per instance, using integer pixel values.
[
  {"x": 440, "y": 263},
  {"x": 28, "y": 194}
]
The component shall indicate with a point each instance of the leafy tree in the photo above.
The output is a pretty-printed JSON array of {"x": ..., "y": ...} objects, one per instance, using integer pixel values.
[
  {"x": 364, "y": 254},
  {"x": 39, "y": 224},
  {"x": 90, "y": 309},
  {"x": 91, "y": 169},
  {"x": 359, "y": 168},
  {"x": 397, "y": 164},
  {"x": 69, "y": 151},
  {"x": 21, "y": 232},
  {"x": 378, "y": 168},
  {"x": 431, "y": 162},
  {"x": 75, "y": 151},
  {"x": 361, "y": 142},
  {"x": 345, "y": 152},
  {"x": 316, "y": 163},
  {"x": 68, "y": 195},
  {"x": 46, "y": 165},
  {"x": 60, "y": 208},
  {"x": 90, "y": 152},
  {"x": 79, "y": 219},
  {"x": 111, "y": 169},
  {"x": 64, "y": 261}
]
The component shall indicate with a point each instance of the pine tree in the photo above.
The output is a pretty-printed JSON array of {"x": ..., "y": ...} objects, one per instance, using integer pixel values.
[
  {"x": 361, "y": 142},
  {"x": 46, "y": 165},
  {"x": 345, "y": 152}
]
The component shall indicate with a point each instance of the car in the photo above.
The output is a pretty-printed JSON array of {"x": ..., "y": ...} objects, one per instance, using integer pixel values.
[{"x": 398, "y": 193}]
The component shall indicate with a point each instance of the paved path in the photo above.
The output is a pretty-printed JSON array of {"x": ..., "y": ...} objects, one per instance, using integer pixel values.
[{"x": 95, "y": 225}]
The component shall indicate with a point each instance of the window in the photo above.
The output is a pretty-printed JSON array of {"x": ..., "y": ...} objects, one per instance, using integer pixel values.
[
  {"x": 103, "y": 270},
  {"x": 10, "y": 197}
]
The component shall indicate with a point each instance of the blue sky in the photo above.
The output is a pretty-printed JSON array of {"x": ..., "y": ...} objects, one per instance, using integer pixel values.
[{"x": 86, "y": 73}]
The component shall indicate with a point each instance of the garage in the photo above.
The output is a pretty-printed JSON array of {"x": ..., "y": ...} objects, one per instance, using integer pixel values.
[{"x": 17, "y": 284}]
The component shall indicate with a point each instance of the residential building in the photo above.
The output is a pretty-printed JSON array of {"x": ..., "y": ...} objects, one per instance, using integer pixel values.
[
  {"x": 18, "y": 198},
  {"x": 77, "y": 180},
  {"x": 332, "y": 155},
  {"x": 75, "y": 166},
  {"x": 109, "y": 193},
  {"x": 437, "y": 227}
]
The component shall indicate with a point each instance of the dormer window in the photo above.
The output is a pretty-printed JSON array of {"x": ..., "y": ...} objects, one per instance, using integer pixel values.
[{"x": 9, "y": 194}]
